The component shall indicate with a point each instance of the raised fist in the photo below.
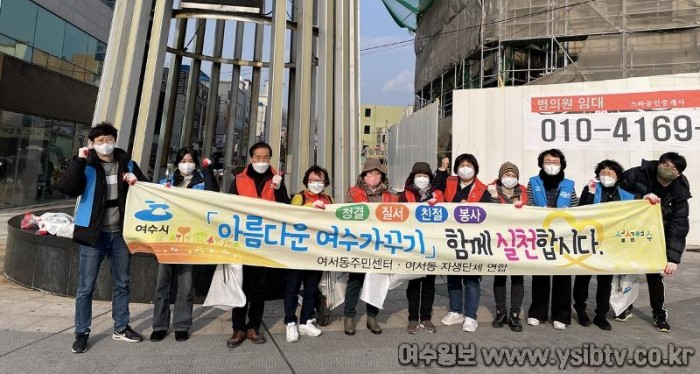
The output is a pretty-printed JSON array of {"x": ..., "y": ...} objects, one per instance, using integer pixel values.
[
  {"x": 276, "y": 181},
  {"x": 205, "y": 162},
  {"x": 444, "y": 163},
  {"x": 130, "y": 178},
  {"x": 83, "y": 152},
  {"x": 492, "y": 190},
  {"x": 591, "y": 185}
]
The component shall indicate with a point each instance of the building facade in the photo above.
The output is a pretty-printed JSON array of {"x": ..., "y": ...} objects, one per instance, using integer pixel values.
[
  {"x": 51, "y": 57},
  {"x": 375, "y": 122}
]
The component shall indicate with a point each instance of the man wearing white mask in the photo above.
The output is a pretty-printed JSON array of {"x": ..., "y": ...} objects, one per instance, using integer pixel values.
[
  {"x": 100, "y": 176},
  {"x": 603, "y": 189},
  {"x": 550, "y": 189},
  {"x": 262, "y": 181},
  {"x": 463, "y": 290}
]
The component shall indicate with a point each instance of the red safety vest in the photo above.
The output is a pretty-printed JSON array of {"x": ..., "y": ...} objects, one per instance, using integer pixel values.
[
  {"x": 360, "y": 196},
  {"x": 246, "y": 186},
  {"x": 475, "y": 194}
]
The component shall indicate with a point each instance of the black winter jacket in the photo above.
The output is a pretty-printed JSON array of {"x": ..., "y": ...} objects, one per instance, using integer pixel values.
[
  {"x": 85, "y": 178},
  {"x": 642, "y": 180}
]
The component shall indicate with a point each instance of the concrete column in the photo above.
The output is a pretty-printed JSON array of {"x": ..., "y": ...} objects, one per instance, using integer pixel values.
[{"x": 150, "y": 94}]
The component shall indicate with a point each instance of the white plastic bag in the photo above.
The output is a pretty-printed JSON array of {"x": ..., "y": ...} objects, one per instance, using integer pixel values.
[
  {"x": 59, "y": 224},
  {"x": 625, "y": 289},
  {"x": 226, "y": 290},
  {"x": 376, "y": 286},
  {"x": 332, "y": 286}
]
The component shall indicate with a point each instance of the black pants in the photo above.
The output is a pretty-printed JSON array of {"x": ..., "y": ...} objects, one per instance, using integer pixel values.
[
  {"x": 421, "y": 294},
  {"x": 655, "y": 282},
  {"x": 295, "y": 278},
  {"x": 517, "y": 291},
  {"x": 352, "y": 295},
  {"x": 255, "y": 287},
  {"x": 561, "y": 298},
  {"x": 602, "y": 294}
]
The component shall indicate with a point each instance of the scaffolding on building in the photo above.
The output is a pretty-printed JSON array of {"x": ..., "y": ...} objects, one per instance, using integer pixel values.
[{"x": 465, "y": 44}]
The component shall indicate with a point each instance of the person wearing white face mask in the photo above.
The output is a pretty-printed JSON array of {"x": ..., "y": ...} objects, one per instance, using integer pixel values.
[
  {"x": 187, "y": 175},
  {"x": 420, "y": 292},
  {"x": 371, "y": 187},
  {"x": 258, "y": 180},
  {"x": 507, "y": 190},
  {"x": 465, "y": 187},
  {"x": 550, "y": 189},
  {"x": 100, "y": 176},
  {"x": 315, "y": 179},
  {"x": 603, "y": 189}
]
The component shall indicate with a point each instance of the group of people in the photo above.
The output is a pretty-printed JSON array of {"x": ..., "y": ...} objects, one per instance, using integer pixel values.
[{"x": 101, "y": 175}]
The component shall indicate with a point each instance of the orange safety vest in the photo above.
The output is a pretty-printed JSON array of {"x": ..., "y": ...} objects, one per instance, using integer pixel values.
[
  {"x": 360, "y": 196},
  {"x": 411, "y": 197},
  {"x": 246, "y": 186},
  {"x": 307, "y": 197},
  {"x": 475, "y": 194}
]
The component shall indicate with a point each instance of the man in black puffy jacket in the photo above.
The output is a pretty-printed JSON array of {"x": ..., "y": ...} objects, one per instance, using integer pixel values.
[{"x": 663, "y": 182}]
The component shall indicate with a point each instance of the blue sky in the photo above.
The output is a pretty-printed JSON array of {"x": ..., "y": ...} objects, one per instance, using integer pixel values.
[{"x": 386, "y": 77}]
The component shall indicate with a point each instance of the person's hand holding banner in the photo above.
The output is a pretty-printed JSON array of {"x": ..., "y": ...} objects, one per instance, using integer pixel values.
[
  {"x": 670, "y": 268},
  {"x": 319, "y": 204},
  {"x": 652, "y": 198}
]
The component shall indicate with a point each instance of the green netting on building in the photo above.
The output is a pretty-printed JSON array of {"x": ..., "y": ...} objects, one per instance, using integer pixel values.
[{"x": 406, "y": 12}]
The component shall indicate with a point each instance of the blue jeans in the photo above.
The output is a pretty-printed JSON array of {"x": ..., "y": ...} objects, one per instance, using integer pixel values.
[
  {"x": 464, "y": 302},
  {"x": 112, "y": 246}
]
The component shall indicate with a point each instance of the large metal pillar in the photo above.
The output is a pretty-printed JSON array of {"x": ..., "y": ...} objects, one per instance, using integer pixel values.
[
  {"x": 169, "y": 104},
  {"x": 213, "y": 102},
  {"x": 255, "y": 87},
  {"x": 325, "y": 88},
  {"x": 150, "y": 94},
  {"x": 273, "y": 117},
  {"x": 233, "y": 108},
  {"x": 301, "y": 124},
  {"x": 193, "y": 85}
]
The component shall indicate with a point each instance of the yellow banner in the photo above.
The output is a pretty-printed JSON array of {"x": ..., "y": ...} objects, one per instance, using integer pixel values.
[{"x": 184, "y": 226}]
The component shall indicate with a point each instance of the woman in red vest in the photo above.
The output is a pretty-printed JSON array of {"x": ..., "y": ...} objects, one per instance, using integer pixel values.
[
  {"x": 507, "y": 190},
  {"x": 315, "y": 179},
  {"x": 420, "y": 292},
  {"x": 258, "y": 180},
  {"x": 465, "y": 187},
  {"x": 371, "y": 187}
]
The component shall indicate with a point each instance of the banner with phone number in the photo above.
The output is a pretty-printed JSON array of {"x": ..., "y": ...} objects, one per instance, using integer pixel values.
[
  {"x": 634, "y": 121},
  {"x": 184, "y": 226}
]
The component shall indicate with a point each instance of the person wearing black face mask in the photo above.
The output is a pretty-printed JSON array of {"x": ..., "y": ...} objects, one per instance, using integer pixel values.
[{"x": 662, "y": 182}]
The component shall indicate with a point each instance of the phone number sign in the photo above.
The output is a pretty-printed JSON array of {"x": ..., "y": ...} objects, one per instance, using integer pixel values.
[{"x": 640, "y": 121}]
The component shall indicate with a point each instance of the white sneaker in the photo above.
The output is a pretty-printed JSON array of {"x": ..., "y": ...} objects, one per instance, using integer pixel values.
[
  {"x": 470, "y": 325},
  {"x": 558, "y": 325},
  {"x": 292, "y": 333},
  {"x": 452, "y": 318},
  {"x": 533, "y": 321},
  {"x": 309, "y": 329}
]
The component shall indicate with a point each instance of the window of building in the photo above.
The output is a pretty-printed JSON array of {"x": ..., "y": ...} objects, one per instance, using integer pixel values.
[
  {"x": 18, "y": 20},
  {"x": 368, "y": 112},
  {"x": 367, "y": 129}
]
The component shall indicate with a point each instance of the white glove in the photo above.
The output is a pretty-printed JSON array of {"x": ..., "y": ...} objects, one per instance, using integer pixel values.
[
  {"x": 492, "y": 190},
  {"x": 276, "y": 181},
  {"x": 591, "y": 186},
  {"x": 652, "y": 198},
  {"x": 130, "y": 178}
]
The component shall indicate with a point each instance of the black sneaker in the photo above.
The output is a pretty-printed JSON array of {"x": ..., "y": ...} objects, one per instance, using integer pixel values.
[
  {"x": 602, "y": 322},
  {"x": 625, "y": 315},
  {"x": 661, "y": 324},
  {"x": 500, "y": 319},
  {"x": 127, "y": 335},
  {"x": 80, "y": 343},
  {"x": 583, "y": 318}
]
